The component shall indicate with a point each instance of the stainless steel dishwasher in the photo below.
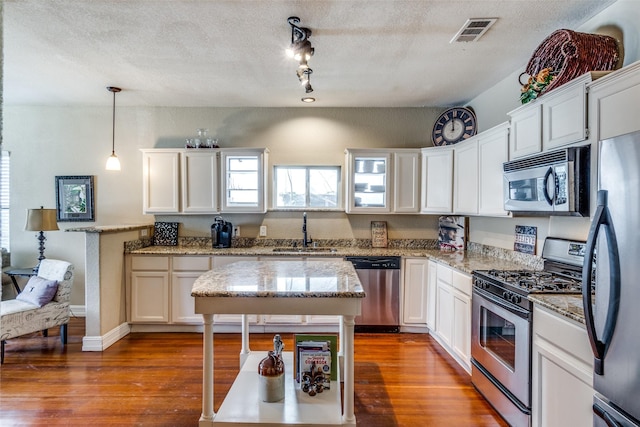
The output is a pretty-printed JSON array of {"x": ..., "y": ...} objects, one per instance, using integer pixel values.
[{"x": 380, "y": 278}]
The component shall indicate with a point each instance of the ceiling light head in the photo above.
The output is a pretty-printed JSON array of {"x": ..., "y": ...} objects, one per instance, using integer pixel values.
[
  {"x": 301, "y": 50},
  {"x": 308, "y": 99}
]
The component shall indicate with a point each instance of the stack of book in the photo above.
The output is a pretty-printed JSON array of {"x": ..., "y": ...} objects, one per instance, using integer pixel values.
[{"x": 315, "y": 358}]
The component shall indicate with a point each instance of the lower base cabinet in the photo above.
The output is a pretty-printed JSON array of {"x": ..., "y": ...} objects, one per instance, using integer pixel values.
[
  {"x": 453, "y": 313},
  {"x": 159, "y": 291},
  {"x": 562, "y": 371}
]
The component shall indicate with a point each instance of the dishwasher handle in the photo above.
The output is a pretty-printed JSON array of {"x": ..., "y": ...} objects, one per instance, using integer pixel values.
[{"x": 375, "y": 263}]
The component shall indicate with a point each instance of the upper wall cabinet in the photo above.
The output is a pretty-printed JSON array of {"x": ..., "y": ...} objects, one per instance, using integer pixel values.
[
  {"x": 555, "y": 119},
  {"x": 406, "y": 181},
  {"x": 493, "y": 151},
  {"x": 182, "y": 181},
  {"x": 437, "y": 180},
  {"x": 382, "y": 181},
  {"x": 199, "y": 181},
  {"x": 613, "y": 103},
  {"x": 368, "y": 186},
  {"x": 161, "y": 181},
  {"x": 478, "y": 174},
  {"x": 244, "y": 180}
]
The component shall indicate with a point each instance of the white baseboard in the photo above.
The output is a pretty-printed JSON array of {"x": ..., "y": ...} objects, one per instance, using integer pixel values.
[
  {"x": 101, "y": 343},
  {"x": 78, "y": 310}
]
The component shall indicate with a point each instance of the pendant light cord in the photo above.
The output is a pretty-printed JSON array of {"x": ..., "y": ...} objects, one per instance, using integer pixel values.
[
  {"x": 113, "y": 125},
  {"x": 113, "y": 90}
]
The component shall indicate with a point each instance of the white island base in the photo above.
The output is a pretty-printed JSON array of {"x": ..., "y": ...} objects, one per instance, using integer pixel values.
[
  {"x": 249, "y": 287},
  {"x": 244, "y": 406}
]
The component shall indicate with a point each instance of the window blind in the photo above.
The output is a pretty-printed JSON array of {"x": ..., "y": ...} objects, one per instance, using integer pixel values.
[{"x": 4, "y": 200}]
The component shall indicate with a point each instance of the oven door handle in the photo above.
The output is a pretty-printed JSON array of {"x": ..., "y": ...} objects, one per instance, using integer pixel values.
[
  {"x": 605, "y": 416},
  {"x": 601, "y": 222},
  {"x": 512, "y": 308}
]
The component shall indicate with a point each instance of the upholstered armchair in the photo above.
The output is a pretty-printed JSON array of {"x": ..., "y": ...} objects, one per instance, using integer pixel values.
[{"x": 22, "y": 316}]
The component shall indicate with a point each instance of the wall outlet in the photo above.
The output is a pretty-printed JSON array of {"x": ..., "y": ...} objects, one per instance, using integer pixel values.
[
  {"x": 236, "y": 231},
  {"x": 263, "y": 231},
  {"x": 144, "y": 232}
]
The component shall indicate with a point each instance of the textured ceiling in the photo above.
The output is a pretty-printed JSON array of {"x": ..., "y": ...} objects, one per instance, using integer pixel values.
[{"x": 368, "y": 53}]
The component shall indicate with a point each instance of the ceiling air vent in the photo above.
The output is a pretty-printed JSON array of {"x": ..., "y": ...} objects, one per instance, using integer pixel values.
[{"x": 473, "y": 29}]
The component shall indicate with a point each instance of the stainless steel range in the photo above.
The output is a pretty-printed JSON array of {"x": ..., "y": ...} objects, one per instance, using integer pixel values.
[{"x": 501, "y": 325}]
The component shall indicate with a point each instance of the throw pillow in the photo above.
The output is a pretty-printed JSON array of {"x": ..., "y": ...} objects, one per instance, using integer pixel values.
[
  {"x": 38, "y": 291},
  {"x": 165, "y": 234}
]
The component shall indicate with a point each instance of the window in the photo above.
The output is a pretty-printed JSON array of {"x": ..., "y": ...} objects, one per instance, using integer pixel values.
[
  {"x": 4, "y": 200},
  {"x": 307, "y": 187}
]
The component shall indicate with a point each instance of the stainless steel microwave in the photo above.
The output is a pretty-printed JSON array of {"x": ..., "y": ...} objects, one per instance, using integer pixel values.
[{"x": 552, "y": 183}]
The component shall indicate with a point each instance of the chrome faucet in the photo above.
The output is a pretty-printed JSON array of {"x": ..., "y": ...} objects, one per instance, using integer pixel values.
[{"x": 305, "y": 240}]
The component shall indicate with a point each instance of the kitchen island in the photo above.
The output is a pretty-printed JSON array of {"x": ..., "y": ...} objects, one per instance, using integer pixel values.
[{"x": 278, "y": 287}]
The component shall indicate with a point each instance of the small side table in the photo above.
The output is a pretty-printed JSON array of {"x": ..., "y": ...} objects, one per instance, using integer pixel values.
[{"x": 21, "y": 272}]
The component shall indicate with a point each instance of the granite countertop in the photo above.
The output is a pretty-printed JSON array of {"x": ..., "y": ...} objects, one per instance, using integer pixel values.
[
  {"x": 109, "y": 228},
  {"x": 283, "y": 279},
  {"x": 463, "y": 261},
  {"x": 567, "y": 305}
]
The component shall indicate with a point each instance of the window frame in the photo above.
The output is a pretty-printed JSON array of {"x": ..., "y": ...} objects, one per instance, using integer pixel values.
[{"x": 307, "y": 168}]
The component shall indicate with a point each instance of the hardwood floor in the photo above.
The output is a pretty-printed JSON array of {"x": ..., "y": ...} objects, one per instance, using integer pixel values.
[{"x": 155, "y": 379}]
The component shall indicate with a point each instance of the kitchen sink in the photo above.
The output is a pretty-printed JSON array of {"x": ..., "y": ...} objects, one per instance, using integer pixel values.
[{"x": 299, "y": 249}]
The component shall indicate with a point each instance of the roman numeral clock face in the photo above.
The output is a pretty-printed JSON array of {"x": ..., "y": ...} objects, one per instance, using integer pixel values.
[{"x": 454, "y": 125}]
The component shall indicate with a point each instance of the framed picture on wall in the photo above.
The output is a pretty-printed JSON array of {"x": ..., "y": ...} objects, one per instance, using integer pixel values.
[{"x": 74, "y": 198}]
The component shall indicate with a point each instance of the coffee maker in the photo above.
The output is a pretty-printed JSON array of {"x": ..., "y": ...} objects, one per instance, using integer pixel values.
[{"x": 221, "y": 232}]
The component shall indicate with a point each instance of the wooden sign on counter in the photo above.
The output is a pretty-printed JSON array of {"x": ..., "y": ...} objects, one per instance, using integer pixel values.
[{"x": 378, "y": 234}]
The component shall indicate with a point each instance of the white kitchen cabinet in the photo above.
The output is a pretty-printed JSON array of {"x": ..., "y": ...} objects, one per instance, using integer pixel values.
[
  {"x": 161, "y": 181},
  {"x": 160, "y": 288},
  {"x": 184, "y": 271},
  {"x": 199, "y": 181},
  {"x": 437, "y": 180},
  {"x": 465, "y": 177},
  {"x": 613, "y": 103},
  {"x": 493, "y": 151},
  {"x": 453, "y": 313},
  {"x": 556, "y": 119},
  {"x": 431, "y": 294},
  {"x": 526, "y": 130},
  {"x": 564, "y": 114},
  {"x": 149, "y": 289},
  {"x": 205, "y": 181},
  {"x": 444, "y": 310},
  {"x": 415, "y": 291},
  {"x": 244, "y": 180},
  {"x": 368, "y": 186},
  {"x": 406, "y": 181},
  {"x": 461, "y": 331},
  {"x": 562, "y": 371}
]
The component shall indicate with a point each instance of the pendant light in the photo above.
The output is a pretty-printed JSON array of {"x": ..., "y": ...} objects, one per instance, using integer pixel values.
[{"x": 113, "y": 164}]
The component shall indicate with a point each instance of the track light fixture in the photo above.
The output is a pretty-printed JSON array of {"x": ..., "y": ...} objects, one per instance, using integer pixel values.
[{"x": 301, "y": 50}]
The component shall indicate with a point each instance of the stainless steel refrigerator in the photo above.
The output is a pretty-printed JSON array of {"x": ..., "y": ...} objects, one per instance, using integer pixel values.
[{"x": 612, "y": 312}]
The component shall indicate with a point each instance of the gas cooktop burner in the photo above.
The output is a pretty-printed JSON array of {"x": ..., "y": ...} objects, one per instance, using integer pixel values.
[{"x": 536, "y": 281}]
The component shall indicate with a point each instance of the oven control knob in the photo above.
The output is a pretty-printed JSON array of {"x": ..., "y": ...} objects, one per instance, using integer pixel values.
[
  {"x": 505, "y": 295},
  {"x": 515, "y": 299}
]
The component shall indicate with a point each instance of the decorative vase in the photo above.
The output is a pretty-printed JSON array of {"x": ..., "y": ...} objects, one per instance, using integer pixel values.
[{"x": 271, "y": 372}]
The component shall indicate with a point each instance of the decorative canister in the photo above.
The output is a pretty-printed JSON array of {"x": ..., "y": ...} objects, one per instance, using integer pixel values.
[{"x": 271, "y": 372}]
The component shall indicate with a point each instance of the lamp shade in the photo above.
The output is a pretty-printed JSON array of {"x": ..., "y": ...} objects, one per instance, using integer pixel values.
[{"x": 41, "y": 220}]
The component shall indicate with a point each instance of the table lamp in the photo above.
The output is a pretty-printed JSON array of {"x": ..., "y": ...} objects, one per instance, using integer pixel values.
[{"x": 41, "y": 220}]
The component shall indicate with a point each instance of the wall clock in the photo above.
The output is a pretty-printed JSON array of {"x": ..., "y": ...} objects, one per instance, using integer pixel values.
[{"x": 454, "y": 125}]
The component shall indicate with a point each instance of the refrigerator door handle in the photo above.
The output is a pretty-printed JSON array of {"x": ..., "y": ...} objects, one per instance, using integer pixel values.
[
  {"x": 601, "y": 221},
  {"x": 608, "y": 419},
  {"x": 545, "y": 191}
]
